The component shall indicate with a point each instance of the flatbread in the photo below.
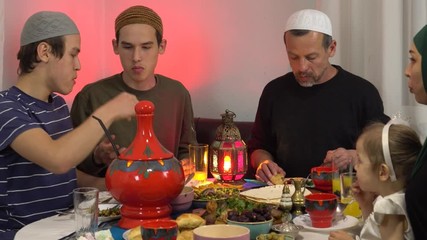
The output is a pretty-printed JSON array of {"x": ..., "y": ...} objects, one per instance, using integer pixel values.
[{"x": 269, "y": 194}]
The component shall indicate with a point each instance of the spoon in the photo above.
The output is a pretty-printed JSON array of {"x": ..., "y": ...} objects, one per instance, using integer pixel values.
[
  {"x": 108, "y": 134},
  {"x": 189, "y": 178}
]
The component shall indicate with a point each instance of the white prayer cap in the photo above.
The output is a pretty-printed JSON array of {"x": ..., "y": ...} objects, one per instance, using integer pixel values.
[{"x": 309, "y": 19}]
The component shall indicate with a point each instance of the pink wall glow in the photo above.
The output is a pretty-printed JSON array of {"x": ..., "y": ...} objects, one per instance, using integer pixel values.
[{"x": 223, "y": 51}]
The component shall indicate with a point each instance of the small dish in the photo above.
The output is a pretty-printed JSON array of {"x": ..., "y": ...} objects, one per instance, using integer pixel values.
[
  {"x": 287, "y": 228},
  {"x": 125, "y": 234},
  {"x": 184, "y": 200},
  {"x": 105, "y": 215},
  {"x": 273, "y": 235}
]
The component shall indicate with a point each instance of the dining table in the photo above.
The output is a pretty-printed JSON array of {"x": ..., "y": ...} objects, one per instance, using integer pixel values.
[{"x": 62, "y": 227}]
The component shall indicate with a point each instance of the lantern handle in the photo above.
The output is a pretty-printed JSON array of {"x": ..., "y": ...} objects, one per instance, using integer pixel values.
[{"x": 228, "y": 113}]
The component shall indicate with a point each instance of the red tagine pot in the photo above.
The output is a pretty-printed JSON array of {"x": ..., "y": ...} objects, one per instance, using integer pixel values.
[{"x": 146, "y": 177}]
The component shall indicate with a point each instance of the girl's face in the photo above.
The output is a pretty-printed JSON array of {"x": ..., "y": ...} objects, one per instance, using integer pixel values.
[{"x": 367, "y": 176}]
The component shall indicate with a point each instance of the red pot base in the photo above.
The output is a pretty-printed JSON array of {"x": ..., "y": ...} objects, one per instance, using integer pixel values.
[
  {"x": 128, "y": 223},
  {"x": 134, "y": 216}
]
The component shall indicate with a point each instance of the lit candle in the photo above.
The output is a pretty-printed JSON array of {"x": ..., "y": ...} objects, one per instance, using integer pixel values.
[{"x": 227, "y": 163}]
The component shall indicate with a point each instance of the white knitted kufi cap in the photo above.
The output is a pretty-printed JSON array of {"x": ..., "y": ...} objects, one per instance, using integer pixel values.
[
  {"x": 309, "y": 19},
  {"x": 44, "y": 25}
]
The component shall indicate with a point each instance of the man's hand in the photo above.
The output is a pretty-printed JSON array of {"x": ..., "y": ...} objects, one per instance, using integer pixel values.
[
  {"x": 186, "y": 166},
  {"x": 341, "y": 157},
  {"x": 266, "y": 170},
  {"x": 104, "y": 152}
]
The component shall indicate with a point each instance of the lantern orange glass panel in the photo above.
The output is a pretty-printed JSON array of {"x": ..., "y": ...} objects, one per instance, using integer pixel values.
[{"x": 228, "y": 155}]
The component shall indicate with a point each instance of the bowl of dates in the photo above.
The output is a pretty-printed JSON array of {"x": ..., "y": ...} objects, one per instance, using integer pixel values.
[{"x": 258, "y": 220}]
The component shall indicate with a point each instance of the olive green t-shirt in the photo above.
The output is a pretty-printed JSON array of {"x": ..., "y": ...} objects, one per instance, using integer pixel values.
[{"x": 173, "y": 115}]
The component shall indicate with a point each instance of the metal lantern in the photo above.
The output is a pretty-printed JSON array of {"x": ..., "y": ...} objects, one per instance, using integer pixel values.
[{"x": 228, "y": 157}]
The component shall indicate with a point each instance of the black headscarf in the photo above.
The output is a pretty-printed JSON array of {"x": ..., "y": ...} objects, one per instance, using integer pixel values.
[{"x": 420, "y": 41}]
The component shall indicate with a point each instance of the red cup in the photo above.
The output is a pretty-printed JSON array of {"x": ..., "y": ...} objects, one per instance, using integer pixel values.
[
  {"x": 322, "y": 178},
  {"x": 321, "y": 208},
  {"x": 159, "y": 230}
]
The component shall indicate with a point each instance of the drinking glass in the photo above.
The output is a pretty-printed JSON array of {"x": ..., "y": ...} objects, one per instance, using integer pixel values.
[
  {"x": 336, "y": 180},
  {"x": 351, "y": 206},
  {"x": 86, "y": 211},
  {"x": 346, "y": 181},
  {"x": 199, "y": 161}
]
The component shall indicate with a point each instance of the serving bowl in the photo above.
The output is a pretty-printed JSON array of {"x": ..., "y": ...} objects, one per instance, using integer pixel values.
[
  {"x": 221, "y": 231},
  {"x": 184, "y": 200},
  {"x": 256, "y": 228},
  {"x": 322, "y": 177}
]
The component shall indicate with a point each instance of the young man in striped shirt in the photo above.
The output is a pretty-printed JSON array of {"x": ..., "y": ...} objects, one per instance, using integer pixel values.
[{"x": 38, "y": 147}]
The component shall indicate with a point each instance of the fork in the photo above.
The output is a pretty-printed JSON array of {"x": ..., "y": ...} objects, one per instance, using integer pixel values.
[{"x": 70, "y": 210}]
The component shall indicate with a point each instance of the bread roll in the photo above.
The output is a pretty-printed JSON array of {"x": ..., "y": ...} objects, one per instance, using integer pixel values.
[
  {"x": 185, "y": 235},
  {"x": 277, "y": 179},
  {"x": 189, "y": 221}
]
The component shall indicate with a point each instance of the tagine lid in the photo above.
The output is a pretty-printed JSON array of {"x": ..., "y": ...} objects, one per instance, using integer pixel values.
[{"x": 145, "y": 146}]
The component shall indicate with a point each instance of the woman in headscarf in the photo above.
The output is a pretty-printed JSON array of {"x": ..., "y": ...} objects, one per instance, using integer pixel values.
[{"x": 416, "y": 193}]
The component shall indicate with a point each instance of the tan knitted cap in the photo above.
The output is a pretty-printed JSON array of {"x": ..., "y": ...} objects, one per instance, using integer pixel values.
[{"x": 139, "y": 14}]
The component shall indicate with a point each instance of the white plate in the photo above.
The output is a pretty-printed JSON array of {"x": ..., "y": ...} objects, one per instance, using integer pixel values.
[
  {"x": 54, "y": 227},
  {"x": 106, "y": 197},
  {"x": 105, "y": 206},
  {"x": 347, "y": 222}
]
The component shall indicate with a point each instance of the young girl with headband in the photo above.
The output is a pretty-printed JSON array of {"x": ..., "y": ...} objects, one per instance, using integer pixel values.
[{"x": 386, "y": 156}]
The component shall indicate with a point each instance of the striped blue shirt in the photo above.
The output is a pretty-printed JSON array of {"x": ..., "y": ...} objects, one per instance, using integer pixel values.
[{"x": 29, "y": 192}]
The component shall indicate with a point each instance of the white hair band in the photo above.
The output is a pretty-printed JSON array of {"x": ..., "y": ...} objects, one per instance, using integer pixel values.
[{"x": 386, "y": 148}]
